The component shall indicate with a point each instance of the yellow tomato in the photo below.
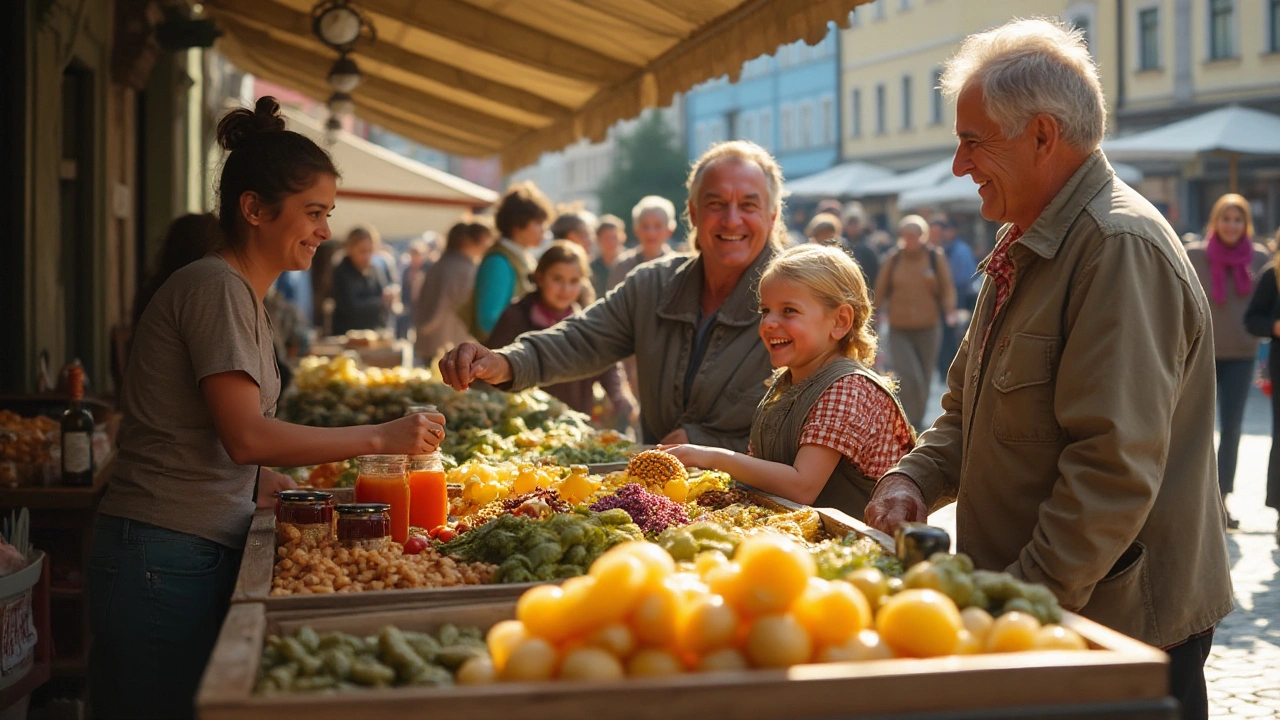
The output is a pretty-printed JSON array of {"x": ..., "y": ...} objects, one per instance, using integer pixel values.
[
  {"x": 873, "y": 584},
  {"x": 576, "y": 488},
  {"x": 708, "y": 623},
  {"x": 967, "y": 644},
  {"x": 708, "y": 560},
  {"x": 676, "y": 489},
  {"x": 725, "y": 581},
  {"x": 617, "y": 638},
  {"x": 653, "y": 662},
  {"x": 657, "y": 562},
  {"x": 778, "y": 641},
  {"x": 656, "y": 616},
  {"x": 541, "y": 609},
  {"x": 619, "y": 581},
  {"x": 832, "y": 611},
  {"x": 1056, "y": 637},
  {"x": 532, "y": 660},
  {"x": 1013, "y": 632},
  {"x": 865, "y": 645},
  {"x": 591, "y": 663},
  {"x": 723, "y": 660},
  {"x": 919, "y": 623},
  {"x": 775, "y": 571},
  {"x": 485, "y": 493},
  {"x": 502, "y": 638},
  {"x": 978, "y": 622},
  {"x": 477, "y": 671}
]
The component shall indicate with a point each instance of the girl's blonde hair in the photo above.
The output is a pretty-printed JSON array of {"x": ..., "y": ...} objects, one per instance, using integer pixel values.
[
  {"x": 834, "y": 279},
  {"x": 740, "y": 151},
  {"x": 1230, "y": 200}
]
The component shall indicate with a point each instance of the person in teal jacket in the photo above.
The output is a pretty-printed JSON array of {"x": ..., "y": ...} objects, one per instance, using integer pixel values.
[{"x": 505, "y": 273}]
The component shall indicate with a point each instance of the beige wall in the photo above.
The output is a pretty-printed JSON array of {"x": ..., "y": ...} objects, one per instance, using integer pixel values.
[{"x": 915, "y": 42}]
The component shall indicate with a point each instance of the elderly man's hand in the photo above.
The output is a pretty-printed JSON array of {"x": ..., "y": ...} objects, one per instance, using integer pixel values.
[
  {"x": 897, "y": 500},
  {"x": 470, "y": 362}
]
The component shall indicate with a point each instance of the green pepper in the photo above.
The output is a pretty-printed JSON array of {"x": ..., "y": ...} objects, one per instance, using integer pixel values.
[
  {"x": 372, "y": 673},
  {"x": 397, "y": 653},
  {"x": 294, "y": 650}
]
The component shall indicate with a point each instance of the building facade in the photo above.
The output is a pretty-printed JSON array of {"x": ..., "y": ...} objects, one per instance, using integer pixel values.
[
  {"x": 787, "y": 102},
  {"x": 1181, "y": 58},
  {"x": 573, "y": 176}
]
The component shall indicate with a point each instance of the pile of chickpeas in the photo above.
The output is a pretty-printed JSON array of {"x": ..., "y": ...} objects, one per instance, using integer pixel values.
[{"x": 309, "y": 566}]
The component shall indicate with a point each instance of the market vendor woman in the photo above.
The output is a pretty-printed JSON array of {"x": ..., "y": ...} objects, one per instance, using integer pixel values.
[
  {"x": 689, "y": 320},
  {"x": 199, "y": 403}
]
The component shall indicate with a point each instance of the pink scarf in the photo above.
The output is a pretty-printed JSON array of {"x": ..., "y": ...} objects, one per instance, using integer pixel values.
[{"x": 1223, "y": 259}]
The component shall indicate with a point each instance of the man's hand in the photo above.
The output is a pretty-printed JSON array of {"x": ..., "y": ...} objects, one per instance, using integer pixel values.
[
  {"x": 469, "y": 362},
  {"x": 676, "y": 437},
  {"x": 897, "y": 500},
  {"x": 270, "y": 482},
  {"x": 1275, "y": 329}
]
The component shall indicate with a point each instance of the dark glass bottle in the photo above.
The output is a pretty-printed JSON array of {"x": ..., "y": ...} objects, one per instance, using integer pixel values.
[{"x": 77, "y": 435}]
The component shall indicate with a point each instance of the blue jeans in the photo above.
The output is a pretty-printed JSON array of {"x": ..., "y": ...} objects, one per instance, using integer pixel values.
[
  {"x": 1235, "y": 377},
  {"x": 157, "y": 599}
]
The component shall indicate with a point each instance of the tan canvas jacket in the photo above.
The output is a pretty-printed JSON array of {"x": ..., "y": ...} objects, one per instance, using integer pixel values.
[
  {"x": 654, "y": 315},
  {"x": 1079, "y": 449}
]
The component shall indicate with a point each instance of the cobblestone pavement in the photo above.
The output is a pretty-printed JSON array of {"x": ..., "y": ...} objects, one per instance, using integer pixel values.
[{"x": 1243, "y": 672}]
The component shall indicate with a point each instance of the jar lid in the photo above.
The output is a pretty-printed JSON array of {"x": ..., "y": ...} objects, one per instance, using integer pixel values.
[
  {"x": 362, "y": 508},
  {"x": 420, "y": 409},
  {"x": 303, "y": 495}
]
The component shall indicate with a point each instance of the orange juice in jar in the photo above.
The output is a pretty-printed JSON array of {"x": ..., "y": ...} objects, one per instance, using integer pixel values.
[
  {"x": 385, "y": 479},
  {"x": 428, "y": 496}
]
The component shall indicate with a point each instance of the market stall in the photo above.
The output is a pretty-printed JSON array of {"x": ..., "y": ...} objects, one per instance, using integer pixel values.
[{"x": 544, "y": 588}]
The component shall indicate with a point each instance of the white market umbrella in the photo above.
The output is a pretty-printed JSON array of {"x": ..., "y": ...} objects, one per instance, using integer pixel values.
[
  {"x": 1232, "y": 130},
  {"x": 841, "y": 181},
  {"x": 927, "y": 176}
]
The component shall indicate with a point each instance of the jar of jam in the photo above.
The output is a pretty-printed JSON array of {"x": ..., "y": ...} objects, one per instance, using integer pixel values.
[
  {"x": 364, "y": 525},
  {"x": 303, "y": 515},
  {"x": 385, "y": 479}
]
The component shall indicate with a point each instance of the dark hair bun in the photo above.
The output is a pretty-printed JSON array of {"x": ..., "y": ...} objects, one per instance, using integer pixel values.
[{"x": 241, "y": 124}]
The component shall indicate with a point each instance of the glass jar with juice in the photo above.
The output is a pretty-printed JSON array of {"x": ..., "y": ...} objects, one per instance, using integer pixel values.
[
  {"x": 385, "y": 479},
  {"x": 428, "y": 496}
]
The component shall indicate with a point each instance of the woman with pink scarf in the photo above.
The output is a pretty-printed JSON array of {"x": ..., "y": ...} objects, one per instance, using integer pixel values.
[{"x": 1228, "y": 263}]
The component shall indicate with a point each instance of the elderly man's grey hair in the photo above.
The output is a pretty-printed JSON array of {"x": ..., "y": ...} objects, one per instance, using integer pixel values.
[
  {"x": 655, "y": 203},
  {"x": 914, "y": 222},
  {"x": 1028, "y": 67}
]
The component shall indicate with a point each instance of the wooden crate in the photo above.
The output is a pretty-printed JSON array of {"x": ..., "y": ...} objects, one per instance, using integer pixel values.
[
  {"x": 1117, "y": 670},
  {"x": 254, "y": 581}
]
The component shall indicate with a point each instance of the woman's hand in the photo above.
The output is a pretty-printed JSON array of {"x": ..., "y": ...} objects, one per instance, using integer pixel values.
[
  {"x": 269, "y": 483},
  {"x": 1275, "y": 329},
  {"x": 416, "y": 434}
]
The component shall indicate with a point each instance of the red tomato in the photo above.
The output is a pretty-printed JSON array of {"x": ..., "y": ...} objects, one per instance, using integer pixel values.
[
  {"x": 414, "y": 545},
  {"x": 435, "y": 531},
  {"x": 446, "y": 535}
]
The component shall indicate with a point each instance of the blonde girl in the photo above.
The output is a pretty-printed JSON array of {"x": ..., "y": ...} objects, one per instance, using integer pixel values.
[{"x": 829, "y": 426}]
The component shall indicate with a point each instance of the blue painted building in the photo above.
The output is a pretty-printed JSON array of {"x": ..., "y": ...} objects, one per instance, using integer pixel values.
[{"x": 786, "y": 102}]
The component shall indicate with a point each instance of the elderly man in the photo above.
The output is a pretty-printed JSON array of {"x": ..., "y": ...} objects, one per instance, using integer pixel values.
[
  {"x": 1077, "y": 431},
  {"x": 691, "y": 321}
]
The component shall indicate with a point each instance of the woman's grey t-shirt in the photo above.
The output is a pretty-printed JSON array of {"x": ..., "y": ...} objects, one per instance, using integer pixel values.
[{"x": 171, "y": 468}]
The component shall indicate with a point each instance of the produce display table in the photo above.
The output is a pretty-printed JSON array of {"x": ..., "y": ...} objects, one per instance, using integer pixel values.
[{"x": 1120, "y": 677}]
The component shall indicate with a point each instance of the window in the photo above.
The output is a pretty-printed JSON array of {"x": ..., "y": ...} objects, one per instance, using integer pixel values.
[
  {"x": 766, "y": 128},
  {"x": 750, "y": 128},
  {"x": 806, "y": 124},
  {"x": 785, "y": 139},
  {"x": 700, "y": 139},
  {"x": 1149, "y": 39},
  {"x": 854, "y": 20},
  {"x": 879, "y": 11},
  {"x": 937, "y": 105},
  {"x": 904, "y": 5},
  {"x": 855, "y": 113},
  {"x": 906, "y": 102},
  {"x": 828, "y": 120},
  {"x": 880, "y": 109},
  {"x": 1222, "y": 29},
  {"x": 1274, "y": 41}
]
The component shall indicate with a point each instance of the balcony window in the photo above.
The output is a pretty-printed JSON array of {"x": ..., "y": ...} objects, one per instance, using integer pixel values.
[
  {"x": 1222, "y": 29},
  {"x": 1149, "y": 39}
]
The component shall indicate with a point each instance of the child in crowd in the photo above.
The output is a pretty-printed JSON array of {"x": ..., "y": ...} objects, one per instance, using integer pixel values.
[
  {"x": 829, "y": 426},
  {"x": 559, "y": 278}
]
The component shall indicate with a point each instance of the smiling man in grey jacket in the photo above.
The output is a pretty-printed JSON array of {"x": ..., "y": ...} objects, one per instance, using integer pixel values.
[{"x": 690, "y": 320}]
